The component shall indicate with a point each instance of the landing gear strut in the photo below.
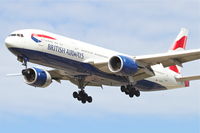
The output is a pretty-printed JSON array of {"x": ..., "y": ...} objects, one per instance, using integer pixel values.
[
  {"x": 130, "y": 90},
  {"x": 82, "y": 95},
  {"x": 24, "y": 60}
]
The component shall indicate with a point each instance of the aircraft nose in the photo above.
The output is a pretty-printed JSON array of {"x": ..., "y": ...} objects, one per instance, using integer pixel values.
[{"x": 9, "y": 42}]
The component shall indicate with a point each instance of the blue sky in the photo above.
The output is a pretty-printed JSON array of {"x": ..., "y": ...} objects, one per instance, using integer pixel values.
[{"x": 130, "y": 26}]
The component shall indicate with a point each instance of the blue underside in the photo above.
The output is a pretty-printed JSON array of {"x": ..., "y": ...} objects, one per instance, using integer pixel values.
[{"x": 79, "y": 67}]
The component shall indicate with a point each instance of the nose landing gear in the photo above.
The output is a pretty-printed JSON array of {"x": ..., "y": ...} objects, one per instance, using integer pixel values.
[{"x": 24, "y": 60}]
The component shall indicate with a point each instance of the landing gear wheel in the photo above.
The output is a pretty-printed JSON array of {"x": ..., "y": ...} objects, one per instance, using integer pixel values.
[
  {"x": 85, "y": 95},
  {"x": 126, "y": 92},
  {"x": 130, "y": 90},
  {"x": 75, "y": 94},
  {"x": 131, "y": 95},
  {"x": 89, "y": 99},
  {"x": 123, "y": 88},
  {"x": 79, "y": 98},
  {"x": 82, "y": 96},
  {"x": 137, "y": 93},
  {"x": 83, "y": 101}
]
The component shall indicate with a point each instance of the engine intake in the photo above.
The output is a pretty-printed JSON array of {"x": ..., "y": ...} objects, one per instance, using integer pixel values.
[
  {"x": 122, "y": 65},
  {"x": 37, "y": 77}
]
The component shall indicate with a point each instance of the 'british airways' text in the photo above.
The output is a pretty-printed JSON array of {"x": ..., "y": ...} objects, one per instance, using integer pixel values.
[{"x": 65, "y": 51}]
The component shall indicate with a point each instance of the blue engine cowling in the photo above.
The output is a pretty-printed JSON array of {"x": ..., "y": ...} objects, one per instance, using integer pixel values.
[
  {"x": 122, "y": 65},
  {"x": 37, "y": 77}
]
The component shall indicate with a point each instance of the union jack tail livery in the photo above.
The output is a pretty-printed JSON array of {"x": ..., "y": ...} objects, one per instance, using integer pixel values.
[
  {"x": 181, "y": 40},
  {"x": 179, "y": 45}
]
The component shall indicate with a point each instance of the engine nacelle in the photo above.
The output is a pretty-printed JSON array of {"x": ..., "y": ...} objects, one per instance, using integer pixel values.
[
  {"x": 122, "y": 65},
  {"x": 37, "y": 77}
]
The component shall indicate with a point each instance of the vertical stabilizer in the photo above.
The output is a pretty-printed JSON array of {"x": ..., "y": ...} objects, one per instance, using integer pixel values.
[
  {"x": 179, "y": 44},
  {"x": 180, "y": 41}
]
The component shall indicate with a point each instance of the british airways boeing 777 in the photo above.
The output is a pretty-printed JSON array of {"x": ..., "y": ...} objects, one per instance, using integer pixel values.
[{"x": 87, "y": 65}]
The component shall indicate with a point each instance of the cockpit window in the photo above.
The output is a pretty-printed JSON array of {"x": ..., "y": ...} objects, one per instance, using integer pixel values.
[
  {"x": 19, "y": 35},
  {"x": 12, "y": 35}
]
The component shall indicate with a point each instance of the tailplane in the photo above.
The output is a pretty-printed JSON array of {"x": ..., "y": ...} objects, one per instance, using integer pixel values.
[
  {"x": 187, "y": 79},
  {"x": 179, "y": 45},
  {"x": 197, "y": 77}
]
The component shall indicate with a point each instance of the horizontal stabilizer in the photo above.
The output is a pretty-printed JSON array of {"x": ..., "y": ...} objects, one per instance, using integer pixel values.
[{"x": 189, "y": 78}]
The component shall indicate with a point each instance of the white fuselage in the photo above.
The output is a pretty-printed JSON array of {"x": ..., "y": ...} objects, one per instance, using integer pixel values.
[{"x": 65, "y": 54}]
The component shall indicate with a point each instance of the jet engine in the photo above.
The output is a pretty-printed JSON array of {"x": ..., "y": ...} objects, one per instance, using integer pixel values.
[
  {"x": 122, "y": 65},
  {"x": 37, "y": 77}
]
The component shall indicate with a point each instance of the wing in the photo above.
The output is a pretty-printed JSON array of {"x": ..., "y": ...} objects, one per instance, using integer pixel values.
[
  {"x": 145, "y": 62},
  {"x": 143, "y": 72},
  {"x": 170, "y": 58},
  {"x": 59, "y": 75}
]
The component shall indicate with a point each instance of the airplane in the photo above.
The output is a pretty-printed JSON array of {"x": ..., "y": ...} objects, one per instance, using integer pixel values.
[{"x": 88, "y": 65}]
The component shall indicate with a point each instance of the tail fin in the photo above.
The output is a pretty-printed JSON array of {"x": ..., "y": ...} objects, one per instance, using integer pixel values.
[
  {"x": 180, "y": 41},
  {"x": 179, "y": 44}
]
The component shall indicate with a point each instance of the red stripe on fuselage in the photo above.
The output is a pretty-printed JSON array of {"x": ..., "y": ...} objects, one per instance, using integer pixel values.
[{"x": 44, "y": 36}]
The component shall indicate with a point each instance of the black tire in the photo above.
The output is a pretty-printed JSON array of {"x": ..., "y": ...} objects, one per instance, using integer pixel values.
[
  {"x": 131, "y": 95},
  {"x": 79, "y": 98},
  {"x": 123, "y": 88},
  {"x": 137, "y": 93},
  {"x": 83, "y": 101},
  {"x": 75, "y": 94},
  {"x": 85, "y": 95},
  {"x": 89, "y": 99},
  {"x": 81, "y": 93},
  {"x": 126, "y": 92}
]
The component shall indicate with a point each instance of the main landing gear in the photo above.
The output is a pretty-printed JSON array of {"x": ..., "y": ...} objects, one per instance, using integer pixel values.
[
  {"x": 130, "y": 90},
  {"x": 82, "y": 95}
]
